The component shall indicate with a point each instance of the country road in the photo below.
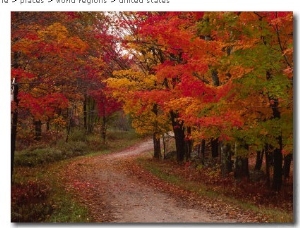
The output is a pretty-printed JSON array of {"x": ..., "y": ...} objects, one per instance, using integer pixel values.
[{"x": 115, "y": 195}]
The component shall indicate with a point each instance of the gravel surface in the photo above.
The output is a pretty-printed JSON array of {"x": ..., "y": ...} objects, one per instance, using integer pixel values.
[{"x": 113, "y": 195}]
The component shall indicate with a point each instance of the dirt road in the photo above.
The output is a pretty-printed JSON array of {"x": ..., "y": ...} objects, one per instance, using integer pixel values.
[{"x": 117, "y": 196}]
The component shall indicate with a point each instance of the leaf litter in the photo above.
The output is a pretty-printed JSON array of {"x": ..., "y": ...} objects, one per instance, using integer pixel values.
[{"x": 117, "y": 190}]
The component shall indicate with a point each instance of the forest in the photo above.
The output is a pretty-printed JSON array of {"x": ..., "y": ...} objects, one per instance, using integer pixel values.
[{"x": 213, "y": 90}]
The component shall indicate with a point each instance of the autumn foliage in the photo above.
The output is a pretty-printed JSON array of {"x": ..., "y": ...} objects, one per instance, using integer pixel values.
[
  {"x": 217, "y": 80},
  {"x": 222, "y": 76}
]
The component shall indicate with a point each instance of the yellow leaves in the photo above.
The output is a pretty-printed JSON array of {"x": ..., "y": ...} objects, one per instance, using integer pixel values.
[
  {"x": 131, "y": 80},
  {"x": 55, "y": 31},
  {"x": 98, "y": 61},
  {"x": 59, "y": 121},
  {"x": 75, "y": 44},
  {"x": 120, "y": 85}
]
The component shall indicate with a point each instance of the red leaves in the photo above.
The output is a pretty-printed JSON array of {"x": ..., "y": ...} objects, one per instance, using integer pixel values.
[
  {"x": 41, "y": 107},
  {"x": 21, "y": 74},
  {"x": 72, "y": 15},
  {"x": 195, "y": 88}
]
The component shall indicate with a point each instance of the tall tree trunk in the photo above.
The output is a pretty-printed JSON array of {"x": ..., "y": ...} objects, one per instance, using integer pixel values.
[
  {"x": 214, "y": 147},
  {"x": 189, "y": 144},
  {"x": 241, "y": 168},
  {"x": 277, "y": 172},
  {"x": 201, "y": 150},
  {"x": 48, "y": 124},
  {"x": 69, "y": 125},
  {"x": 287, "y": 165},
  {"x": 269, "y": 163},
  {"x": 215, "y": 142},
  {"x": 90, "y": 115},
  {"x": 157, "y": 148},
  {"x": 156, "y": 137},
  {"x": 104, "y": 124},
  {"x": 14, "y": 125},
  {"x": 242, "y": 165},
  {"x": 14, "y": 121},
  {"x": 226, "y": 164},
  {"x": 85, "y": 112},
  {"x": 164, "y": 145},
  {"x": 277, "y": 153},
  {"x": 178, "y": 128},
  {"x": 259, "y": 159},
  {"x": 103, "y": 129},
  {"x": 38, "y": 129}
]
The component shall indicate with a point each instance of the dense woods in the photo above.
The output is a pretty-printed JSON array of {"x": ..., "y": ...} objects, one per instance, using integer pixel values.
[{"x": 220, "y": 83}]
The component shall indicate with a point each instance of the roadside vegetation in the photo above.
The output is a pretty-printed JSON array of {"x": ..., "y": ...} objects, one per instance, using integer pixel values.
[
  {"x": 207, "y": 182},
  {"x": 38, "y": 193}
]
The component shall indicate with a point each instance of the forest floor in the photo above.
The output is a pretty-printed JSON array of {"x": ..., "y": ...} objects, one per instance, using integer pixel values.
[{"x": 117, "y": 190}]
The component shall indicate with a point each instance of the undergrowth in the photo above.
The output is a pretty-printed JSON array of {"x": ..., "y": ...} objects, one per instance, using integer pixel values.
[
  {"x": 175, "y": 174},
  {"x": 38, "y": 193}
]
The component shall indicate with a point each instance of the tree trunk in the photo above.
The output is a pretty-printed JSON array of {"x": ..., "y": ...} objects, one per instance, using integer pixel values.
[
  {"x": 214, "y": 147},
  {"x": 277, "y": 153},
  {"x": 157, "y": 148},
  {"x": 215, "y": 77},
  {"x": 259, "y": 160},
  {"x": 287, "y": 165},
  {"x": 269, "y": 163},
  {"x": 180, "y": 143},
  {"x": 241, "y": 168},
  {"x": 104, "y": 126},
  {"x": 277, "y": 172},
  {"x": 68, "y": 130},
  {"x": 189, "y": 144},
  {"x": 164, "y": 145},
  {"x": 48, "y": 124},
  {"x": 178, "y": 129},
  {"x": 90, "y": 115},
  {"x": 14, "y": 125},
  {"x": 226, "y": 164},
  {"x": 38, "y": 129},
  {"x": 156, "y": 136},
  {"x": 103, "y": 129},
  {"x": 85, "y": 112},
  {"x": 201, "y": 151}
]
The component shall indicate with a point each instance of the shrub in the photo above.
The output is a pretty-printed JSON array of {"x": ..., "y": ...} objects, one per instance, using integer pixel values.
[
  {"x": 47, "y": 155},
  {"x": 77, "y": 135},
  {"x": 29, "y": 202},
  {"x": 38, "y": 157}
]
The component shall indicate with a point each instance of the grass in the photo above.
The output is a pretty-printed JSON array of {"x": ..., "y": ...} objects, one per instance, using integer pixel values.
[
  {"x": 164, "y": 172},
  {"x": 79, "y": 144},
  {"x": 57, "y": 205},
  {"x": 66, "y": 207},
  {"x": 38, "y": 193}
]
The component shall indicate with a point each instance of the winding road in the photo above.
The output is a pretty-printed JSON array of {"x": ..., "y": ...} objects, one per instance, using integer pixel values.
[{"x": 115, "y": 195}]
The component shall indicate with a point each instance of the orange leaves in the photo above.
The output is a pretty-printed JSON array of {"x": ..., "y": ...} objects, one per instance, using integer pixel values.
[
  {"x": 289, "y": 72},
  {"x": 239, "y": 71}
]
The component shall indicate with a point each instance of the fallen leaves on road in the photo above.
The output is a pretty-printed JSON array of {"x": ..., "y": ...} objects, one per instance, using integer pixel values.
[{"x": 91, "y": 179}]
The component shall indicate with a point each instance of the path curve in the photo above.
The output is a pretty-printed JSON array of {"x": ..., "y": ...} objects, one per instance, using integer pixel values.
[{"x": 114, "y": 195}]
